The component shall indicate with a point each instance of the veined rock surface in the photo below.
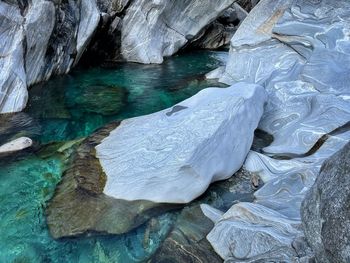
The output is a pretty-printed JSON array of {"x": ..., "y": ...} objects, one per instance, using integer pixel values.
[
  {"x": 173, "y": 155},
  {"x": 159, "y": 28},
  {"x": 13, "y": 89},
  {"x": 54, "y": 37},
  {"x": 299, "y": 52},
  {"x": 133, "y": 170}
]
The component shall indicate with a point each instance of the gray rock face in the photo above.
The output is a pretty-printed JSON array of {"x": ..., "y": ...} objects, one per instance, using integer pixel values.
[
  {"x": 326, "y": 210},
  {"x": 54, "y": 36},
  {"x": 159, "y": 28}
]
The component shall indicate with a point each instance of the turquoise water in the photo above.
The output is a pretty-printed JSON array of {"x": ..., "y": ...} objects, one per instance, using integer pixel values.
[
  {"x": 68, "y": 106},
  {"x": 71, "y": 107}
]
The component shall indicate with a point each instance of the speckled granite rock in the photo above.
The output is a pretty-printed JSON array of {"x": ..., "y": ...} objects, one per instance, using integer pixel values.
[
  {"x": 159, "y": 28},
  {"x": 326, "y": 210},
  {"x": 180, "y": 151}
]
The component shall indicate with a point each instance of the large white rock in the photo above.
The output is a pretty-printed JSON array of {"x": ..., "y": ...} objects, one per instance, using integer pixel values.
[
  {"x": 173, "y": 155},
  {"x": 89, "y": 18},
  {"x": 153, "y": 29}
]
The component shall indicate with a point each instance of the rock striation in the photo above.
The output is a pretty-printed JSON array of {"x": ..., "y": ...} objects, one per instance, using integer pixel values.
[
  {"x": 155, "y": 29},
  {"x": 13, "y": 89},
  {"x": 41, "y": 39},
  {"x": 298, "y": 51},
  {"x": 172, "y": 156},
  {"x": 48, "y": 38}
]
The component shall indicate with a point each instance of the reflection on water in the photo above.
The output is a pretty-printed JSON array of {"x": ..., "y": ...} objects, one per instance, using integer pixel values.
[{"x": 67, "y": 108}]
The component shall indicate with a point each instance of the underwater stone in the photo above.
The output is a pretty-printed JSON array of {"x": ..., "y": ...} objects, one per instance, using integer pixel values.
[
  {"x": 104, "y": 100},
  {"x": 79, "y": 205},
  {"x": 175, "y": 158}
]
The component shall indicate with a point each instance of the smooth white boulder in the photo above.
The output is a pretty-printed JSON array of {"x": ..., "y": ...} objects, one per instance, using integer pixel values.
[
  {"x": 16, "y": 145},
  {"x": 172, "y": 156}
]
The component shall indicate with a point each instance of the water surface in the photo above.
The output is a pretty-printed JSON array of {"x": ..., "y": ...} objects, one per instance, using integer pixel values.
[{"x": 67, "y": 108}]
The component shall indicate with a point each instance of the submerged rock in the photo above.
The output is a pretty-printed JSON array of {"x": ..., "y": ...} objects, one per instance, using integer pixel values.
[
  {"x": 173, "y": 155},
  {"x": 104, "y": 100},
  {"x": 79, "y": 205},
  {"x": 326, "y": 210},
  {"x": 15, "y": 125},
  {"x": 186, "y": 242},
  {"x": 155, "y": 29}
]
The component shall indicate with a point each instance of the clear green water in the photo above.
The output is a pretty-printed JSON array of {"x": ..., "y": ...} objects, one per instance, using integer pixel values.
[{"x": 56, "y": 112}]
